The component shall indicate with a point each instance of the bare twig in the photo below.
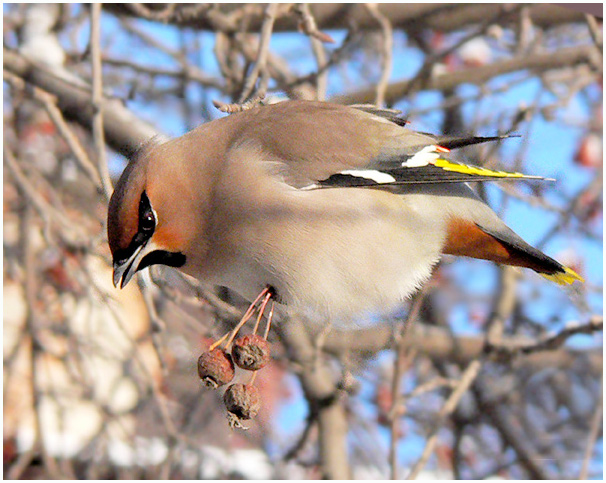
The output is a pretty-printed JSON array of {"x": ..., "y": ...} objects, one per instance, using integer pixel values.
[
  {"x": 594, "y": 432},
  {"x": 478, "y": 75},
  {"x": 232, "y": 108},
  {"x": 507, "y": 351},
  {"x": 524, "y": 30},
  {"x": 503, "y": 306},
  {"x": 159, "y": 15},
  {"x": 322, "y": 395},
  {"x": 500, "y": 416},
  {"x": 441, "y": 346},
  {"x": 49, "y": 103},
  {"x": 595, "y": 31},
  {"x": 310, "y": 424},
  {"x": 387, "y": 51},
  {"x": 124, "y": 130},
  {"x": 307, "y": 24},
  {"x": 31, "y": 288},
  {"x": 336, "y": 56},
  {"x": 44, "y": 209},
  {"x": 467, "y": 378},
  {"x": 398, "y": 373},
  {"x": 595, "y": 324},
  {"x": 432, "y": 385},
  {"x": 261, "y": 62},
  {"x": 156, "y": 391},
  {"x": 97, "y": 98},
  {"x": 426, "y": 70},
  {"x": 188, "y": 72}
]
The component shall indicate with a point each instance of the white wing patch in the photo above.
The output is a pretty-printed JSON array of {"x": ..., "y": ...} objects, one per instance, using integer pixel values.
[
  {"x": 371, "y": 174},
  {"x": 425, "y": 156}
]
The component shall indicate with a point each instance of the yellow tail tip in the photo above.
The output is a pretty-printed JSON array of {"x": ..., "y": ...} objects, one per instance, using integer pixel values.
[{"x": 568, "y": 277}]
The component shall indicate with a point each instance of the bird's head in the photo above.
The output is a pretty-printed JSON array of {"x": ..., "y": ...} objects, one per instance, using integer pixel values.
[{"x": 148, "y": 215}]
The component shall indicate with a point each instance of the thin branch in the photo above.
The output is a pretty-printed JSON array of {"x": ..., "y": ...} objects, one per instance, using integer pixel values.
[
  {"x": 431, "y": 385},
  {"x": 508, "y": 426},
  {"x": 231, "y": 108},
  {"x": 49, "y": 103},
  {"x": 478, "y": 75},
  {"x": 426, "y": 70},
  {"x": 188, "y": 72},
  {"x": 595, "y": 31},
  {"x": 44, "y": 209},
  {"x": 261, "y": 62},
  {"x": 336, "y": 56},
  {"x": 507, "y": 351},
  {"x": 97, "y": 98},
  {"x": 503, "y": 306},
  {"x": 337, "y": 15},
  {"x": 594, "y": 432},
  {"x": 163, "y": 15},
  {"x": 323, "y": 398},
  {"x": 307, "y": 24},
  {"x": 470, "y": 374},
  {"x": 386, "y": 54},
  {"x": 31, "y": 288},
  {"x": 396, "y": 383},
  {"x": 441, "y": 345},
  {"x": 124, "y": 131},
  {"x": 310, "y": 423}
]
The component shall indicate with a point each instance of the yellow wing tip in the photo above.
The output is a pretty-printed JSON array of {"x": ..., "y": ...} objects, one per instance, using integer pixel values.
[
  {"x": 568, "y": 277},
  {"x": 447, "y": 165}
]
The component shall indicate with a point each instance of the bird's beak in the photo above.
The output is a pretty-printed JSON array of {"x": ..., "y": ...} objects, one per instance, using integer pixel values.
[{"x": 125, "y": 269}]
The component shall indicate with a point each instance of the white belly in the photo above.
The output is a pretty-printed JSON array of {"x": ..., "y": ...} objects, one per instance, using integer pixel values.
[{"x": 361, "y": 259}]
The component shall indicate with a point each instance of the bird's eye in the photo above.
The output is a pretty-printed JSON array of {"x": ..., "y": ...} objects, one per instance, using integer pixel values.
[
  {"x": 147, "y": 222},
  {"x": 147, "y": 219}
]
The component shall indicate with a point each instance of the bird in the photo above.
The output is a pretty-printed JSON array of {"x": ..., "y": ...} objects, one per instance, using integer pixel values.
[{"x": 339, "y": 210}]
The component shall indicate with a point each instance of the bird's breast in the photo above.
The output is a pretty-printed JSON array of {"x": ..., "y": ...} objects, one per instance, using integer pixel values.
[{"x": 337, "y": 253}]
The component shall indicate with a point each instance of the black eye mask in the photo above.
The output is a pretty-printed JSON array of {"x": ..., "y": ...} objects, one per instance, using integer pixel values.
[{"x": 146, "y": 228}]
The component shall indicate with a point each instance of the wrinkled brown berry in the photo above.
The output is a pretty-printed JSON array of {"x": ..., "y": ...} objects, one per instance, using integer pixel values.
[
  {"x": 242, "y": 402},
  {"x": 215, "y": 368},
  {"x": 250, "y": 352}
]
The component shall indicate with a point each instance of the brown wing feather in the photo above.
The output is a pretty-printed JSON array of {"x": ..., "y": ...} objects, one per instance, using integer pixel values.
[{"x": 315, "y": 140}]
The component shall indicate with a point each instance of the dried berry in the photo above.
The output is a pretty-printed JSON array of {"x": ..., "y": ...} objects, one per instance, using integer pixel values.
[
  {"x": 251, "y": 352},
  {"x": 215, "y": 368},
  {"x": 242, "y": 402}
]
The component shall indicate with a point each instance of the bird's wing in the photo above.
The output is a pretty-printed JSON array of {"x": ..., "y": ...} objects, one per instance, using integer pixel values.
[
  {"x": 429, "y": 166},
  {"x": 322, "y": 145},
  {"x": 314, "y": 146}
]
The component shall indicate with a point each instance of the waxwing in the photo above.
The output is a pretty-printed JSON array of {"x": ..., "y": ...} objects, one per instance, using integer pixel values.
[{"x": 340, "y": 210}]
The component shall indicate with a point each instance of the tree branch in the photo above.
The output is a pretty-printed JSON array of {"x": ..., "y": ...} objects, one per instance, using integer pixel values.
[
  {"x": 49, "y": 103},
  {"x": 414, "y": 16},
  {"x": 467, "y": 378},
  {"x": 123, "y": 130},
  {"x": 261, "y": 60},
  {"x": 477, "y": 75},
  {"x": 322, "y": 395},
  {"x": 97, "y": 99}
]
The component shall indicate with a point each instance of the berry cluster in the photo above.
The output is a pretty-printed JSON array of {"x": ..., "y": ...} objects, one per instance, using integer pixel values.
[{"x": 216, "y": 366}]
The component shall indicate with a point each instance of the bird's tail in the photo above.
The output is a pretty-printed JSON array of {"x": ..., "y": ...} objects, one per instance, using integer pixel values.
[
  {"x": 525, "y": 255},
  {"x": 565, "y": 277}
]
